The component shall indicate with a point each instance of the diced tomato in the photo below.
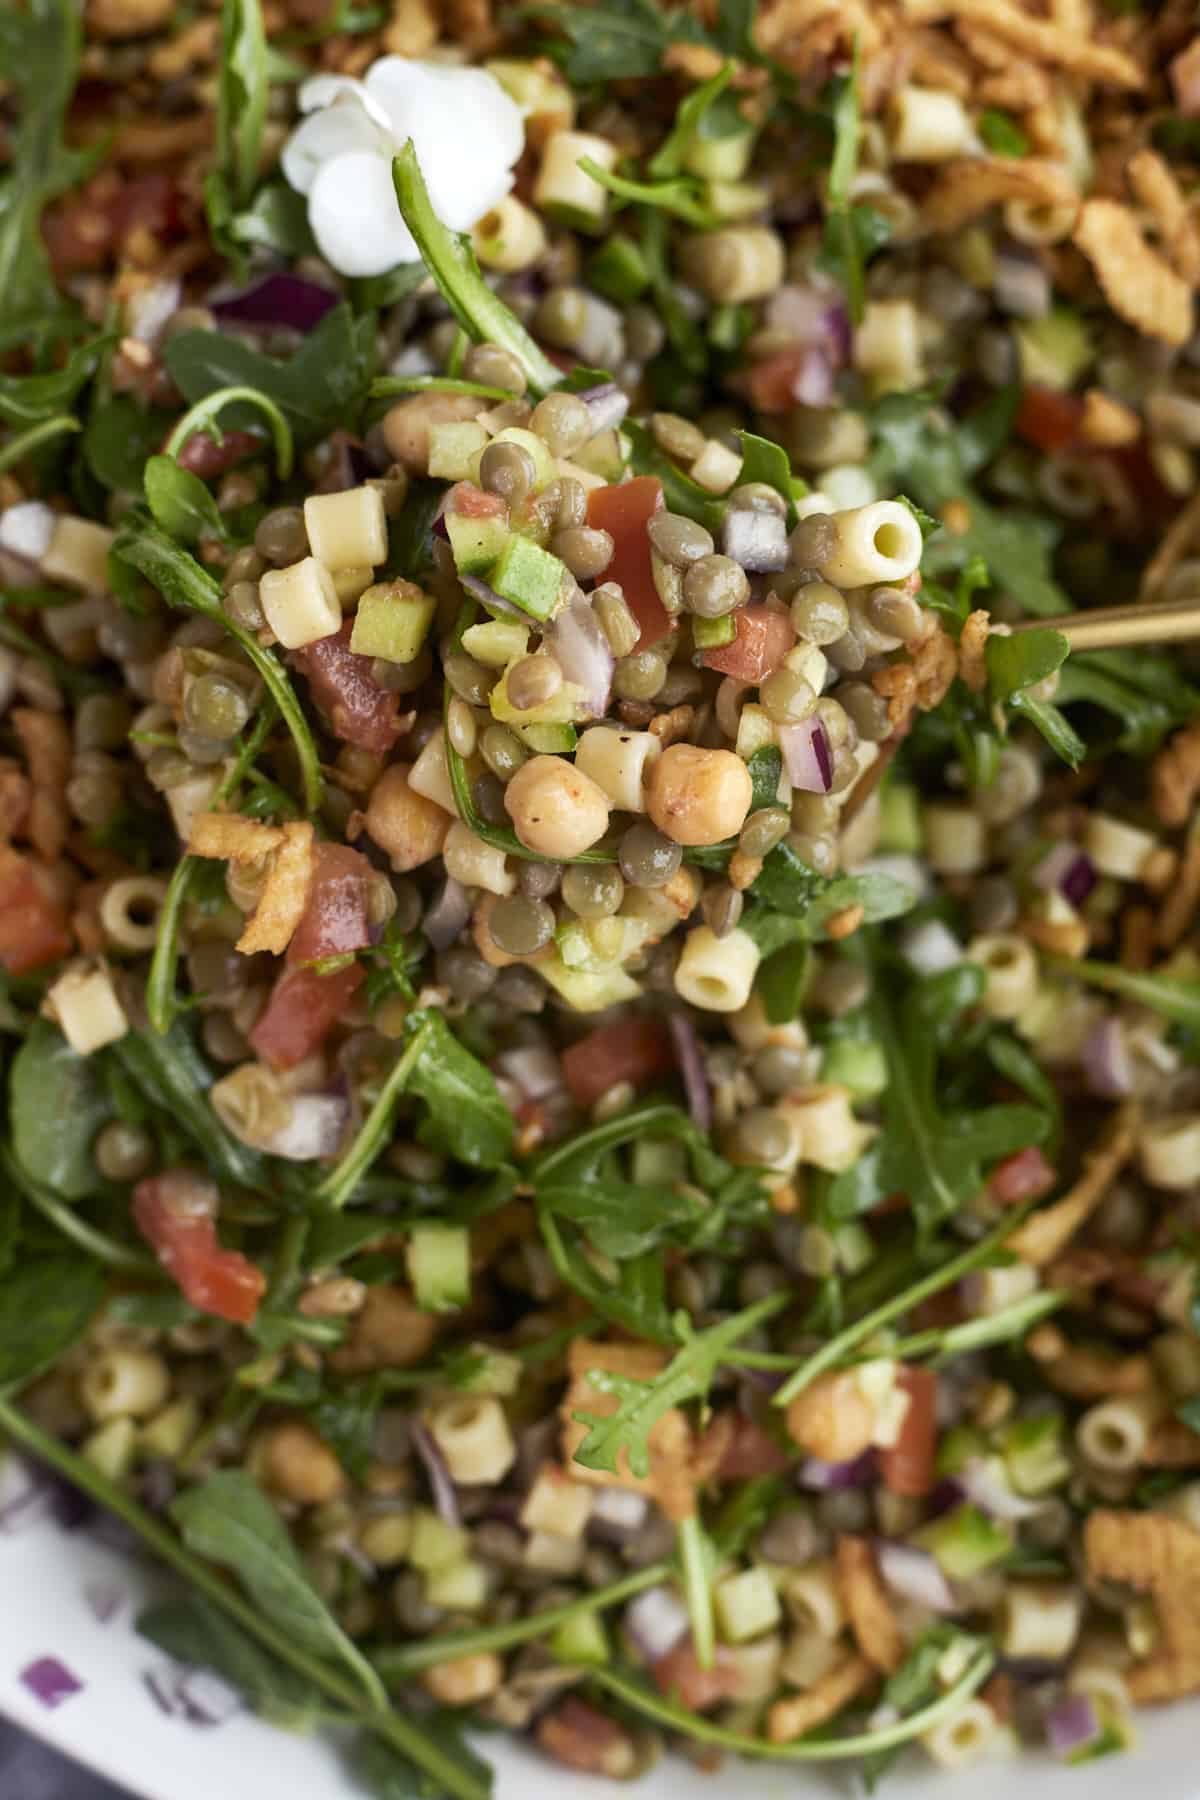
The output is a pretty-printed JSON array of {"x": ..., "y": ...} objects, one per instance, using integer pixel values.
[
  {"x": 358, "y": 709},
  {"x": 1022, "y": 1176},
  {"x": 764, "y": 637},
  {"x": 624, "y": 512},
  {"x": 335, "y": 919},
  {"x": 1048, "y": 419},
  {"x": 303, "y": 1008},
  {"x": 465, "y": 498},
  {"x": 751, "y": 1451},
  {"x": 679, "y": 1674},
  {"x": 34, "y": 929},
  {"x": 908, "y": 1466},
  {"x": 202, "y": 455},
  {"x": 584, "y": 1738},
  {"x": 213, "y": 1279},
  {"x": 771, "y": 381},
  {"x": 637, "y": 1049}
]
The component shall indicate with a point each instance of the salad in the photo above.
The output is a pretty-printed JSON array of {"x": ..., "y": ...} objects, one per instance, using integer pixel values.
[{"x": 601, "y": 1030}]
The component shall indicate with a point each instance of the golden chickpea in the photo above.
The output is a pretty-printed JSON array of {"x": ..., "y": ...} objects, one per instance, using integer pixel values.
[
  {"x": 406, "y": 425},
  {"x": 296, "y": 1463},
  {"x": 555, "y": 808},
  {"x": 698, "y": 796},
  {"x": 465, "y": 1680},
  {"x": 408, "y": 826},
  {"x": 388, "y": 1333},
  {"x": 832, "y": 1419}
]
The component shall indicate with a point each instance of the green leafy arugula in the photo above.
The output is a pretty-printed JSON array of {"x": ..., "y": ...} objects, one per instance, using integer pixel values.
[
  {"x": 853, "y": 233},
  {"x": 56, "y": 1106},
  {"x": 242, "y": 94},
  {"x": 46, "y": 1305},
  {"x": 180, "y": 503},
  {"x": 172, "y": 1077},
  {"x": 192, "y": 1630},
  {"x": 1175, "y": 997},
  {"x": 707, "y": 114},
  {"x": 616, "y": 40},
  {"x": 1017, "y": 664}
]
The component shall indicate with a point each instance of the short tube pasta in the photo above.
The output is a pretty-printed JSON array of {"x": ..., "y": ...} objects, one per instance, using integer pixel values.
[
  {"x": 1040, "y": 1619},
  {"x": 130, "y": 909},
  {"x": 813, "y": 1600},
  {"x": 124, "y": 1382},
  {"x": 879, "y": 542},
  {"x": 617, "y": 761},
  {"x": 474, "y": 1438},
  {"x": 509, "y": 237},
  {"x": 928, "y": 125},
  {"x": 1169, "y": 1151},
  {"x": 1114, "y": 1435},
  {"x": 962, "y": 1738},
  {"x": 1010, "y": 964},
  {"x": 717, "y": 974}
]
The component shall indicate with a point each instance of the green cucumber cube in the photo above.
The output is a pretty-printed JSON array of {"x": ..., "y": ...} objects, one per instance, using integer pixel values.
[
  {"x": 476, "y": 543},
  {"x": 439, "y": 1266},
  {"x": 528, "y": 576},
  {"x": 710, "y": 634},
  {"x": 392, "y": 621},
  {"x": 581, "y": 1639},
  {"x": 548, "y": 740},
  {"x": 965, "y": 1542}
]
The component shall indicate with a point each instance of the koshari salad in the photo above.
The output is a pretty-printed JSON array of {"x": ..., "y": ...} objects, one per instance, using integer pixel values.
[{"x": 602, "y": 1059}]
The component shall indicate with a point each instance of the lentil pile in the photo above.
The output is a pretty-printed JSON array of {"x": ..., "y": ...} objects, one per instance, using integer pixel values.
[{"x": 602, "y": 1063}]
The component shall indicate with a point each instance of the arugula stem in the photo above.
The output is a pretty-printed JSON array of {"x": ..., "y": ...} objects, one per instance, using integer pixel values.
[
  {"x": 203, "y": 417},
  {"x": 834, "y": 1352},
  {"x": 66, "y": 1219},
  {"x": 395, "y": 1730},
  {"x": 27, "y": 442},
  {"x": 182, "y": 582},
  {"x": 348, "y": 1171},
  {"x": 385, "y": 386},
  {"x": 396, "y": 1661},
  {"x": 978, "y": 1334},
  {"x": 866, "y": 1743},
  {"x": 694, "y": 1561},
  {"x": 1171, "y": 995}
]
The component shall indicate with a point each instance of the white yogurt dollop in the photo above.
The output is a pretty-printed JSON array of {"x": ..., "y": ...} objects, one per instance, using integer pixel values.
[{"x": 467, "y": 133}]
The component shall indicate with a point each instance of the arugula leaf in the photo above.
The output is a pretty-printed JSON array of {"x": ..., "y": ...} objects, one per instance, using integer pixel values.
[
  {"x": 680, "y": 492},
  {"x": 766, "y": 768},
  {"x": 913, "y": 1686},
  {"x": 699, "y": 116},
  {"x": 616, "y": 40},
  {"x": 450, "y": 260},
  {"x": 203, "y": 417},
  {"x": 1189, "y": 1412},
  {"x": 174, "y": 1077},
  {"x": 787, "y": 885},
  {"x": 782, "y": 979},
  {"x": 119, "y": 437},
  {"x": 620, "y": 1218},
  {"x": 1174, "y": 996},
  {"x": 767, "y": 462},
  {"x": 852, "y": 233},
  {"x": 181, "y": 504},
  {"x": 182, "y": 582},
  {"x": 391, "y": 1776},
  {"x": 192, "y": 1630},
  {"x": 1053, "y": 725},
  {"x": 636, "y": 1296},
  {"x": 851, "y": 237},
  {"x": 56, "y": 1106},
  {"x": 1023, "y": 659},
  {"x": 229, "y": 1520},
  {"x": 322, "y": 386},
  {"x": 679, "y": 195},
  {"x": 46, "y": 1305},
  {"x": 688, "y": 1376},
  {"x": 394, "y": 959},
  {"x": 20, "y": 448},
  {"x": 276, "y": 219},
  {"x": 242, "y": 94},
  {"x": 1144, "y": 693},
  {"x": 32, "y": 399}
]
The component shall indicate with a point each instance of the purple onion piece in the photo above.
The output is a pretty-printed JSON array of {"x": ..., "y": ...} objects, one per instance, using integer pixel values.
[
  {"x": 916, "y": 1576},
  {"x": 1106, "y": 1059},
  {"x": 617, "y": 1514},
  {"x": 581, "y": 650},
  {"x": 688, "y": 1055},
  {"x": 50, "y": 1681},
  {"x": 657, "y": 1620},
  {"x": 491, "y": 600},
  {"x": 279, "y": 299},
  {"x": 445, "y": 1499},
  {"x": 807, "y": 756},
  {"x": 1067, "y": 869},
  {"x": 447, "y": 916},
  {"x": 983, "y": 1482},
  {"x": 607, "y": 405},
  {"x": 314, "y": 1129},
  {"x": 756, "y": 540},
  {"x": 827, "y": 1478},
  {"x": 813, "y": 384},
  {"x": 1072, "y": 1725},
  {"x": 534, "y": 1068}
]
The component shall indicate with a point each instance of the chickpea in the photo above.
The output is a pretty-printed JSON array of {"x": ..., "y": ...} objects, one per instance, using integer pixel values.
[
  {"x": 388, "y": 1333},
  {"x": 465, "y": 1680},
  {"x": 555, "y": 808},
  {"x": 408, "y": 826},
  {"x": 698, "y": 796},
  {"x": 297, "y": 1464},
  {"x": 406, "y": 425},
  {"x": 832, "y": 1419}
]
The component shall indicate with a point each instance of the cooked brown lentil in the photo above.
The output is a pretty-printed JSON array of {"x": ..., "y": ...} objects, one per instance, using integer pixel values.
[
  {"x": 679, "y": 540},
  {"x": 593, "y": 891},
  {"x": 647, "y": 857},
  {"x": 715, "y": 586},
  {"x": 281, "y": 536},
  {"x": 586, "y": 551},
  {"x": 507, "y": 469}
]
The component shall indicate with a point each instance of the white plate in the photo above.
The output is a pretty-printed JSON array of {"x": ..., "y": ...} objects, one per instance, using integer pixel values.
[{"x": 51, "y": 1580}]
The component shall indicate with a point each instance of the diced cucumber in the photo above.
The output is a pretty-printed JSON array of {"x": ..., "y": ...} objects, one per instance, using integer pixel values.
[
  {"x": 169, "y": 1432},
  {"x": 958, "y": 1447},
  {"x": 755, "y": 731},
  {"x": 559, "y": 709},
  {"x": 588, "y": 990},
  {"x": 548, "y": 740},
  {"x": 580, "y": 1639},
  {"x": 476, "y": 543},
  {"x": 710, "y": 634},
  {"x": 746, "y": 1605},
  {"x": 605, "y": 454},
  {"x": 458, "y": 1587},
  {"x": 1033, "y": 1455},
  {"x": 720, "y": 158},
  {"x": 737, "y": 199},
  {"x": 658, "y": 1162},
  {"x": 1055, "y": 350},
  {"x": 900, "y": 819},
  {"x": 528, "y": 576},
  {"x": 434, "y": 1544},
  {"x": 111, "y": 1448},
  {"x": 490, "y": 1372},
  {"x": 858, "y": 1064},
  {"x": 438, "y": 1258},
  {"x": 392, "y": 621},
  {"x": 496, "y": 642},
  {"x": 618, "y": 271},
  {"x": 455, "y": 448},
  {"x": 965, "y": 1542}
]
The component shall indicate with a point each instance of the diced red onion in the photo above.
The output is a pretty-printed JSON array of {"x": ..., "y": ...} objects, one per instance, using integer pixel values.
[
  {"x": 1106, "y": 1059},
  {"x": 916, "y": 1575},
  {"x": 756, "y": 540},
  {"x": 982, "y": 1481},
  {"x": 808, "y": 315},
  {"x": 807, "y": 756},
  {"x": 104, "y": 1600},
  {"x": 686, "y": 1044},
  {"x": 607, "y": 405},
  {"x": 26, "y": 529},
  {"x": 445, "y": 1499},
  {"x": 314, "y": 1129},
  {"x": 1020, "y": 285},
  {"x": 617, "y": 1513},
  {"x": 580, "y": 648},
  {"x": 813, "y": 384},
  {"x": 50, "y": 1681},
  {"x": 1067, "y": 869},
  {"x": 656, "y": 1621},
  {"x": 491, "y": 600},
  {"x": 448, "y": 914},
  {"x": 534, "y": 1068},
  {"x": 278, "y": 299},
  {"x": 828, "y": 1478},
  {"x": 1072, "y": 1725},
  {"x": 931, "y": 947}
]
